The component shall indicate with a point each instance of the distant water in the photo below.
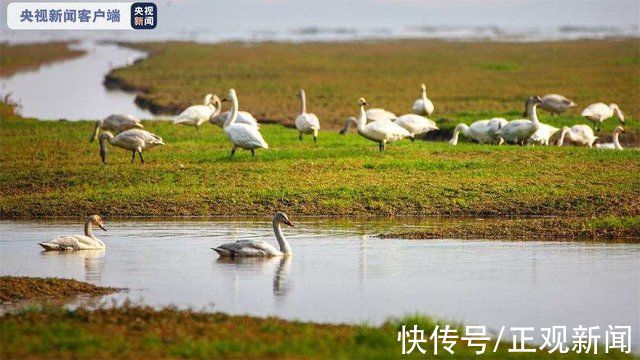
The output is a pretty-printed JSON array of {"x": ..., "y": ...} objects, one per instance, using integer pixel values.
[{"x": 306, "y": 20}]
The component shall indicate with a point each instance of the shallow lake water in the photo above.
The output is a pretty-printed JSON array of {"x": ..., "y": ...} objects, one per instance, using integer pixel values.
[
  {"x": 73, "y": 89},
  {"x": 339, "y": 273}
]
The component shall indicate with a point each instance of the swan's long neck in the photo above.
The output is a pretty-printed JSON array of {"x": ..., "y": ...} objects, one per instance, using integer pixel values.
[
  {"x": 234, "y": 111},
  {"x": 88, "y": 231},
  {"x": 303, "y": 105},
  {"x": 96, "y": 129},
  {"x": 362, "y": 121},
  {"x": 103, "y": 147},
  {"x": 616, "y": 143},
  {"x": 460, "y": 128},
  {"x": 533, "y": 114},
  {"x": 282, "y": 241},
  {"x": 424, "y": 95},
  {"x": 565, "y": 131},
  {"x": 616, "y": 110}
]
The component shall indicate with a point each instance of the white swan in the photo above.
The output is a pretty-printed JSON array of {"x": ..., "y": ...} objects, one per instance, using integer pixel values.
[
  {"x": 375, "y": 114},
  {"x": 134, "y": 140},
  {"x": 578, "y": 134},
  {"x": 382, "y": 132},
  {"x": 117, "y": 123},
  {"x": 482, "y": 131},
  {"x": 423, "y": 106},
  {"x": 242, "y": 135},
  {"x": 519, "y": 131},
  {"x": 249, "y": 248},
  {"x": 244, "y": 117},
  {"x": 306, "y": 123},
  {"x": 556, "y": 104},
  {"x": 615, "y": 145},
  {"x": 78, "y": 242},
  {"x": 599, "y": 112},
  {"x": 197, "y": 115},
  {"x": 543, "y": 134},
  {"x": 416, "y": 124}
]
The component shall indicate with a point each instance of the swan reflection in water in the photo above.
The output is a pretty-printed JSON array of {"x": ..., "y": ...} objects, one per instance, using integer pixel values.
[
  {"x": 93, "y": 262},
  {"x": 281, "y": 266}
]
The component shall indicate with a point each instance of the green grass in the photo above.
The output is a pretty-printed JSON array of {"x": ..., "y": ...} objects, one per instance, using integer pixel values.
[
  {"x": 141, "y": 332},
  {"x": 475, "y": 78},
  {"x": 49, "y": 168}
]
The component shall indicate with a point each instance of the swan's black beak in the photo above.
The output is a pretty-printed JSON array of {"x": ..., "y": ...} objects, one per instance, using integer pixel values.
[
  {"x": 288, "y": 223},
  {"x": 102, "y": 227}
]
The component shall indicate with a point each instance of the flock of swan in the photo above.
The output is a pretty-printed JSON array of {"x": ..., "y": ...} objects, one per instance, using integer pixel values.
[
  {"x": 375, "y": 124},
  {"x": 237, "y": 249}
]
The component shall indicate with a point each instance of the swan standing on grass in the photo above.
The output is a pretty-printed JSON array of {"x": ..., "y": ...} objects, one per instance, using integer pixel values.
[
  {"x": 519, "y": 131},
  {"x": 482, "y": 131},
  {"x": 134, "y": 140},
  {"x": 578, "y": 134},
  {"x": 599, "y": 112},
  {"x": 306, "y": 123},
  {"x": 382, "y": 132},
  {"x": 375, "y": 114},
  {"x": 243, "y": 136},
  {"x": 243, "y": 118},
  {"x": 423, "y": 106},
  {"x": 416, "y": 124},
  {"x": 78, "y": 242},
  {"x": 252, "y": 248},
  {"x": 197, "y": 115},
  {"x": 615, "y": 145},
  {"x": 556, "y": 104},
  {"x": 117, "y": 123},
  {"x": 543, "y": 134}
]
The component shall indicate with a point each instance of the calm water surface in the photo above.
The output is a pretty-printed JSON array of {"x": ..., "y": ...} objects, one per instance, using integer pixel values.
[
  {"x": 339, "y": 274},
  {"x": 73, "y": 89}
]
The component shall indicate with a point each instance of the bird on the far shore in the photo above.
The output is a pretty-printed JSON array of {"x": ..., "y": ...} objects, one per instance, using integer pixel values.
[
  {"x": 197, "y": 115},
  {"x": 242, "y": 136},
  {"x": 555, "y": 104},
  {"x": 423, "y": 106},
  {"x": 306, "y": 123}
]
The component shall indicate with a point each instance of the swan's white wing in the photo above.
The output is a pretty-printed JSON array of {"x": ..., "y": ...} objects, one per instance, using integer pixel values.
[
  {"x": 307, "y": 122},
  {"x": 71, "y": 242},
  {"x": 246, "y": 136},
  {"x": 247, "y": 248},
  {"x": 583, "y": 131},
  {"x": 121, "y": 122},
  {"x": 377, "y": 114},
  {"x": 416, "y": 124},
  {"x": 194, "y": 113},
  {"x": 243, "y": 118},
  {"x": 421, "y": 108},
  {"x": 386, "y": 130},
  {"x": 596, "y": 110}
]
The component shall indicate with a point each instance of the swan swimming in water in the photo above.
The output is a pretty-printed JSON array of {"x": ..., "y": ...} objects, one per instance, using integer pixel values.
[
  {"x": 88, "y": 241},
  {"x": 242, "y": 135},
  {"x": 117, "y": 123},
  {"x": 253, "y": 248},
  {"x": 382, "y": 132},
  {"x": 578, "y": 134},
  {"x": 197, "y": 115},
  {"x": 134, "y": 140},
  {"x": 423, "y": 106},
  {"x": 519, "y": 131},
  {"x": 599, "y": 112},
  {"x": 615, "y": 145},
  {"x": 482, "y": 131},
  {"x": 306, "y": 123}
]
